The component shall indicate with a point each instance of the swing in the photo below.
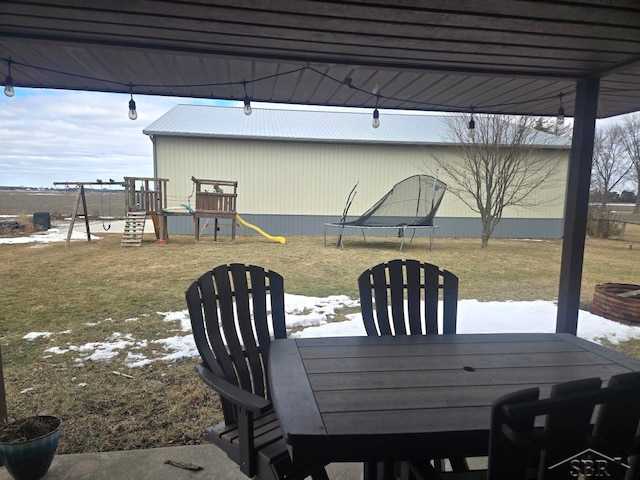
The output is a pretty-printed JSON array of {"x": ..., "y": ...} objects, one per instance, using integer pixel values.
[{"x": 105, "y": 227}]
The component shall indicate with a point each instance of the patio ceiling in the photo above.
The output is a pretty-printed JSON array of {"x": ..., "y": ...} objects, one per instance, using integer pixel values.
[{"x": 498, "y": 56}]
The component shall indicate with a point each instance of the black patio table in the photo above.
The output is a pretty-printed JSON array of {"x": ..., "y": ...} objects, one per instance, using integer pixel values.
[{"x": 375, "y": 399}]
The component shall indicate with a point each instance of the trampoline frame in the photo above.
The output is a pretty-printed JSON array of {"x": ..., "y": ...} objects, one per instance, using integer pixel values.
[{"x": 401, "y": 232}]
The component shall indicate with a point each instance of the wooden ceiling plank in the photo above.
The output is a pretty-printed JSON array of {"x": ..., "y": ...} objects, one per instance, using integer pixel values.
[
  {"x": 527, "y": 17},
  {"x": 411, "y": 50},
  {"x": 558, "y": 10},
  {"x": 517, "y": 62},
  {"x": 526, "y": 20},
  {"x": 121, "y": 23}
]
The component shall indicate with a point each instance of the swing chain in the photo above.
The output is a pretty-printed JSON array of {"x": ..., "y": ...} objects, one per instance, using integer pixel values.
[{"x": 107, "y": 227}]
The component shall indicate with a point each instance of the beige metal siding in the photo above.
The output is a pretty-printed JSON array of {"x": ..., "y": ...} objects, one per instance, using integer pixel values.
[
  {"x": 306, "y": 178},
  {"x": 548, "y": 200}
]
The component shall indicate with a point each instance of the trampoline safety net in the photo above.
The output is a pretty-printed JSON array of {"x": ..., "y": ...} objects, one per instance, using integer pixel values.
[{"x": 412, "y": 202}]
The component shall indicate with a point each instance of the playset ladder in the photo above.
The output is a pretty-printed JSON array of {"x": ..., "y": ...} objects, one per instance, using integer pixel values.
[{"x": 133, "y": 229}]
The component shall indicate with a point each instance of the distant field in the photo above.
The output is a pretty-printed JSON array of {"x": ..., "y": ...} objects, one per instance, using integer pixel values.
[
  {"x": 60, "y": 204},
  {"x": 111, "y": 204},
  {"x": 622, "y": 207}
]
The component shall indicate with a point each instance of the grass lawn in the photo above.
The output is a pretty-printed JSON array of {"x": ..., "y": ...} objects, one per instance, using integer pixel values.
[{"x": 87, "y": 291}]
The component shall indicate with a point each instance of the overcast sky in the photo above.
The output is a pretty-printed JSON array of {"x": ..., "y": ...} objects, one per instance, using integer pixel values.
[{"x": 51, "y": 136}]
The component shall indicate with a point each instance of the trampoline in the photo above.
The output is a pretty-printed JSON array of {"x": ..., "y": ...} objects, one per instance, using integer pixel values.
[{"x": 410, "y": 205}]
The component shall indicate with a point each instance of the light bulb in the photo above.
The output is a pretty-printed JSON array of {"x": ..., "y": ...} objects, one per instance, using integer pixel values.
[
  {"x": 376, "y": 119},
  {"x": 560, "y": 118},
  {"x": 472, "y": 128},
  {"x": 247, "y": 106},
  {"x": 132, "y": 109},
  {"x": 8, "y": 87}
]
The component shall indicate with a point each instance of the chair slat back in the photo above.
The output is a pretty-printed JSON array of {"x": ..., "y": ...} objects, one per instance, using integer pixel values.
[
  {"x": 507, "y": 460},
  {"x": 235, "y": 309},
  {"x": 586, "y": 428},
  {"x": 619, "y": 417},
  {"x": 575, "y": 418},
  {"x": 384, "y": 289}
]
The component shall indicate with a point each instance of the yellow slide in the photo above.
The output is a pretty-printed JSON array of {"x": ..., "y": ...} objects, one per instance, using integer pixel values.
[{"x": 260, "y": 231}]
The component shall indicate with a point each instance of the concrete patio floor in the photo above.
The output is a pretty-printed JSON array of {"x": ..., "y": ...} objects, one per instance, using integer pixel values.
[{"x": 143, "y": 464}]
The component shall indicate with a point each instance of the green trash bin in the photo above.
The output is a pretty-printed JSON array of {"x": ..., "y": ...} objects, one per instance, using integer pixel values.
[{"x": 42, "y": 220}]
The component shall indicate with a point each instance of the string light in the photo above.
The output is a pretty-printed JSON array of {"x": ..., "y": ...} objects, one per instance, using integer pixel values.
[
  {"x": 472, "y": 126},
  {"x": 133, "y": 114},
  {"x": 376, "y": 115},
  {"x": 347, "y": 82},
  {"x": 8, "y": 83},
  {"x": 247, "y": 102},
  {"x": 376, "y": 119},
  {"x": 560, "y": 118}
]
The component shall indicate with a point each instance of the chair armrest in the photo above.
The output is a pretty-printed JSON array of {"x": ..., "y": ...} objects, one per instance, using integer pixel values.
[{"x": 246, "y": 400}]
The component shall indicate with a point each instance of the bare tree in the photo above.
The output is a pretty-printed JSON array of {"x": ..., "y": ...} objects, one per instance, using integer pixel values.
[
  {"x": 610, "y": 165},
  {"x": 500, "y": 166},
  {"x": 552, "y": 126},
  {"x": 631, "y": 142}
]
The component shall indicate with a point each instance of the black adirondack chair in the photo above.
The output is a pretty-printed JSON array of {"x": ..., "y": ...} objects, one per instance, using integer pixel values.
[
  {"x": 580, "y": 431},
  {"x": 386, "y": 286},
  {"x": 229, "y": 308},
  {"x": 384, "y": 289}
]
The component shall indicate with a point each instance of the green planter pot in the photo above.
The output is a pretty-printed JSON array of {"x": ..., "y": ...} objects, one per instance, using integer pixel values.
[{"x": 31, "y": 460}]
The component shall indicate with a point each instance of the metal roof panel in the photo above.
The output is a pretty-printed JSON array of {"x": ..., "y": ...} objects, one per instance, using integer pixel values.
[{"x": 307, "y": 125}]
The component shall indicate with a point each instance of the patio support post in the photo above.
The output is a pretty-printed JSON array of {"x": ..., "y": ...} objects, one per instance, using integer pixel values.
[
  {"x": 577, "y": 204},
  {"x": 3, "y": 399}
]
